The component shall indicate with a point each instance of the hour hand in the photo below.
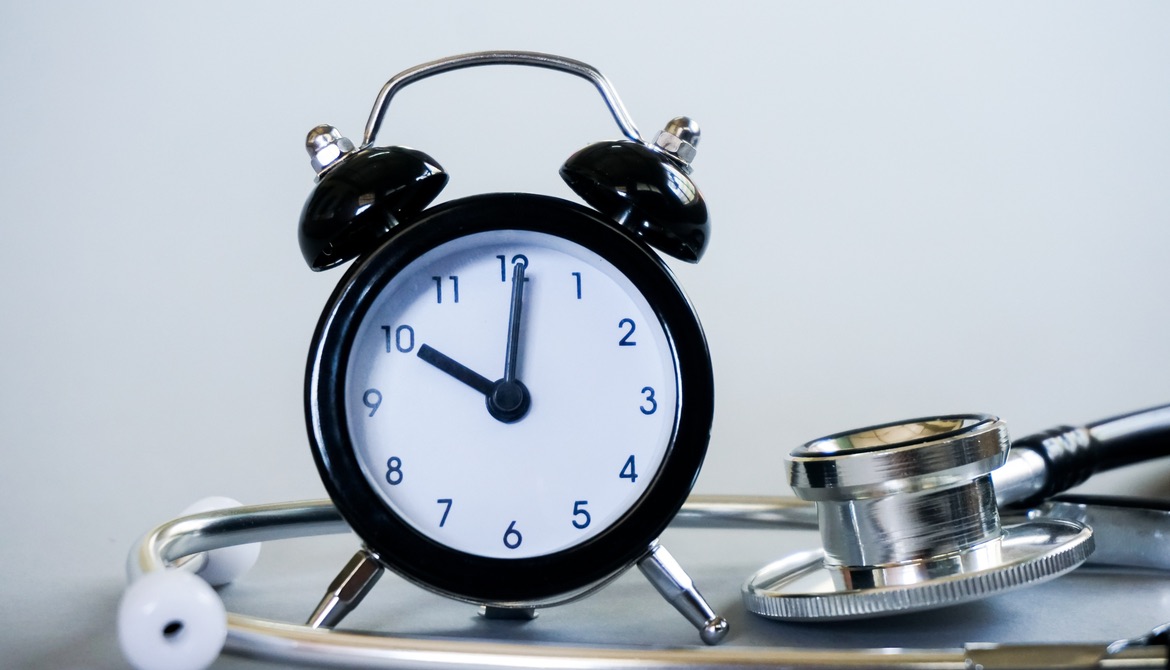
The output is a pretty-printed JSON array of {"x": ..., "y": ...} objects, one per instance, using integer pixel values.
[
  {"x": 456, "y": 369},
  {"x": 507, "y": 401}
]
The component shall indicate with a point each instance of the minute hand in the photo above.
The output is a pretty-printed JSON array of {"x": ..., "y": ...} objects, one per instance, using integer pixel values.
[{"x": 511, "y": 357}]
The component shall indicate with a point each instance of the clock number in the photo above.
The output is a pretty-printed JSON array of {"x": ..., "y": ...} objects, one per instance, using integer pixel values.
[
  {"x": 578, "y": 276},
  {"x": 579, "y": 511},
  {"x": 649, "y": 391},
  {"x": 518, "y": 258},
  {"x": 628, "y": 471},
  {"x": 446, "y": 510},
  {"x": 394, "y": 471},
  {"x": 626, "y": 341},
  {"x": 372, "y": 398},
  {"x": 512, "y": 537},
  {"x": 439, "y": 288},
  {"x": 400, "y": 338}
]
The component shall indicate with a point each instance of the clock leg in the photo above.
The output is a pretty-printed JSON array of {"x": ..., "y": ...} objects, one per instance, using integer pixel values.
[
  {"x": 347, "y": 590},
  {"x": 508, "y": 613},
  {"x": 676, "y": 586}
]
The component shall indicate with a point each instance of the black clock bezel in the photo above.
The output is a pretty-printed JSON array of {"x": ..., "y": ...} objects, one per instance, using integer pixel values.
[{"x": 497, "y": 580}]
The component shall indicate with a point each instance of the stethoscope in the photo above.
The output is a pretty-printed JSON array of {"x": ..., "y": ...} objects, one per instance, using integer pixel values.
[{"x": 909, "y": 514}]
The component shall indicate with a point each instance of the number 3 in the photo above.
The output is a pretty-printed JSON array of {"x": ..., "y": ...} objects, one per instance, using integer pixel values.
[{"x": 649, "y": 391}]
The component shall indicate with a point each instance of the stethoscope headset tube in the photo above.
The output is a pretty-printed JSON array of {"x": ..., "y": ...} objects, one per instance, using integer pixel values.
[
  {"x": 1128, "y": 531},
  {"x": 288, "y": 643}
]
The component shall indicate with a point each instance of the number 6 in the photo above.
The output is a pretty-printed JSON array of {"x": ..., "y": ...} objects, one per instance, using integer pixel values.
[{"x": 512, "y": 537}]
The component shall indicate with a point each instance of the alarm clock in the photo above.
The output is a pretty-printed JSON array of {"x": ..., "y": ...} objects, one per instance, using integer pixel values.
[{"x": 508, "y": 395}]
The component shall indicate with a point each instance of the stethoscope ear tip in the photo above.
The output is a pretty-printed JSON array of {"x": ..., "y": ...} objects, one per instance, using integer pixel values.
[
  {"x": 227, "y": 564},
  {"x": 172, "y": 620}
]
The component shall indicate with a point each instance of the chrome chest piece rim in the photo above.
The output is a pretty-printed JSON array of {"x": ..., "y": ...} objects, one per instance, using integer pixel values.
[{"x": 908, "y": 522}]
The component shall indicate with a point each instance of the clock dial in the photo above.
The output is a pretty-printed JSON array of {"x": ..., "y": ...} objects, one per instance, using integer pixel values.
[
  {"x": 509, "y": 399},
  {"x": 510, "y": 394}
]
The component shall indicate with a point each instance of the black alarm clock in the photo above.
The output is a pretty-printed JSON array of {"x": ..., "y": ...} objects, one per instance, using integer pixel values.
[{"x": 508, "y": 395}]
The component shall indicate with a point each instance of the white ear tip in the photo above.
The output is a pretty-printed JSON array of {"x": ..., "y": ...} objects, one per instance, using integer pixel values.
[
  {"x": 224, "y": 565},
  {"x": 171, "y": 620},
  {"x": 210, "y": 504}
]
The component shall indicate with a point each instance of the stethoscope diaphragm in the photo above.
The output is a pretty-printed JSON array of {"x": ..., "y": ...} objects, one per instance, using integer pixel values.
[{"x": 909, "y": 521}]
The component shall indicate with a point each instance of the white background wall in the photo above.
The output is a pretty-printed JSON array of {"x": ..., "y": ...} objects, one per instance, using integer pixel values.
[{"x": 917, "y": 207}]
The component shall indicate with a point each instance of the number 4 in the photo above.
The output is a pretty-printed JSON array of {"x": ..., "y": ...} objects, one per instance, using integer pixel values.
[{"x": 628, "y": 471}]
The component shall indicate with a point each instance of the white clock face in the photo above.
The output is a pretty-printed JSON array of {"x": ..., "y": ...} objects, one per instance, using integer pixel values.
[{"x": 434, "y": 414}]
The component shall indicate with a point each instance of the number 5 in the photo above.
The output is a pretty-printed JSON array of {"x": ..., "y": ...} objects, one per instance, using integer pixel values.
[{"x": 579, "y": 511}]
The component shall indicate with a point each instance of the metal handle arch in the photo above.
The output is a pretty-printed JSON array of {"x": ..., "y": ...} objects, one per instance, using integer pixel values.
[{"x": 479, "y": 58}]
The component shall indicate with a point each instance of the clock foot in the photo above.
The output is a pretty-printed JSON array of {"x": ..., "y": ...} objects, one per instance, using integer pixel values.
[
  {"x": 345, "y": 593},
  {"x": 508, "y": 613},
  {"x": 670, "y": 580}
]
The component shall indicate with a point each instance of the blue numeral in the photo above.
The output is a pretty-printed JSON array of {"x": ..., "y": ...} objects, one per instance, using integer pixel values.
[
  {"x": 394, "y": 471},
  {"x": 439, "y": 288},
  {"x": 512, "y": 537},
  {"x": 628, "y": 471},
  {"x": 372, "y": 398},
  {"x": 400, "y": 338},
  {"x": 626, "y": 341},
  {"x": 518, "y": 258},
  {"x": 650, "y": 399},
  {"x": 583, "y": 518}
]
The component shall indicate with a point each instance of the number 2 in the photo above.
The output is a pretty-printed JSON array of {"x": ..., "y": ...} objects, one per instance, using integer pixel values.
[{"x": 626, "y": 341}]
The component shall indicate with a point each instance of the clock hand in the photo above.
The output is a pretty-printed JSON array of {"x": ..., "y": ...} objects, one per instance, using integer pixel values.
[
  {"x": 507, "y": 401},
  {"x": 456, "y": 369},
  {"x": 511, "y": 359}
]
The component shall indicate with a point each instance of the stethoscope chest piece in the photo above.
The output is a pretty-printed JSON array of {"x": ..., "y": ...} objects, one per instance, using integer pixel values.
[{"x": 908, "y": 519}]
